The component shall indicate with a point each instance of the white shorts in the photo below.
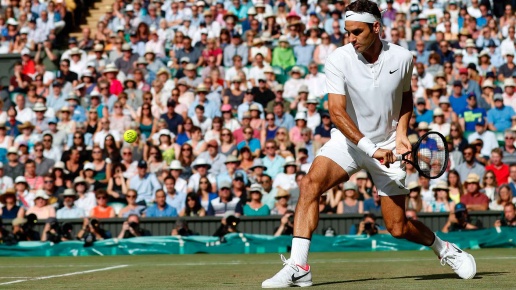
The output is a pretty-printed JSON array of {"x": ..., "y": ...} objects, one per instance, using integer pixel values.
[{"x": 389, "y": 181}]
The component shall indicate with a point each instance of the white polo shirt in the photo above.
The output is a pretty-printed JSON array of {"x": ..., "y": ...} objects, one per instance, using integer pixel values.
[{"x": 374, "y": 92}]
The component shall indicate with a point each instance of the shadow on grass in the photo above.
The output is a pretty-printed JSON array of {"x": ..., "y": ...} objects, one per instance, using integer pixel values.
[{"x": 417, "y": 277}]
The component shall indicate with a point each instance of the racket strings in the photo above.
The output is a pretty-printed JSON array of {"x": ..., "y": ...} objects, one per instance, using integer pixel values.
[{"x": 431, "y": 155}]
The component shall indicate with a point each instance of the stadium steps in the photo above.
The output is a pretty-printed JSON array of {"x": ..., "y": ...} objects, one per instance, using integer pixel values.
[{"x": 94, "y": 14}]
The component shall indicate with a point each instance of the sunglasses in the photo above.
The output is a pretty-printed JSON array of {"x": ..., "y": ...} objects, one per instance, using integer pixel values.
[
  {"x": 101, "y": 197},
  {"x": 131, "y": 196}
]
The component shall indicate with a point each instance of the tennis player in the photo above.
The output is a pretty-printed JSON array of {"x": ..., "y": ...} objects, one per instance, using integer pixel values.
[{"x": 371, "y": 103}]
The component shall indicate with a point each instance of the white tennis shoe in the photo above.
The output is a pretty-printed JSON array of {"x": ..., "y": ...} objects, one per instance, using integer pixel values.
[
  {"x": 461, "y": 262},
  {"x": 290, "y": 275}
]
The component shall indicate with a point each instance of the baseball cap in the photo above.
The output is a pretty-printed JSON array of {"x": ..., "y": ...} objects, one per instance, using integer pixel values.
[
  {"x": 463, "y": 71},
  {"x": 460, "y": 207},
  {"x": 420, "y": 100},
  {"x": 457, "y": 84},
  {"x": 480, "y": 122},
  {"x": 142, "y": 164},
  {"x": 239, "y": 176},
  {"x": 224, "y": 184},
  {"x": 498, "y": 97}
]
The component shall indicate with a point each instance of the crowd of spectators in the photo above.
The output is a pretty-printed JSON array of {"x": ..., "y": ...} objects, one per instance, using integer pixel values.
[{"x": 230, "y": 105}]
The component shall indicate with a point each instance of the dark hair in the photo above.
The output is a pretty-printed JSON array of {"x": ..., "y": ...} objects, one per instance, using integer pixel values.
[
  {"x": 159, "y": 156},
  {"x": 196, "y": 208},
  {"x": 361, "y": 6},
  {"x": 116, "y": 166},
  {"x": 472, "y": 147},
  {"x": 199, "y": 192},
  {"x": 169, "y": 177},
  {"x": 200, "y": 107}
]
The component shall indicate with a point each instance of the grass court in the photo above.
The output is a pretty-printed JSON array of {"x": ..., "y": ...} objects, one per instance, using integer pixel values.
[{"x": 496, "y": 269}]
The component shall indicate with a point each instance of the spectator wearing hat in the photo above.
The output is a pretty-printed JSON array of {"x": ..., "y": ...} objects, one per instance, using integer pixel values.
[
  {"x": 282, "y": 205},
  {"x": 236, "y": 47},
  {"x": 283, "y": 55},
  {"x": 69, "y": 209},
  {"x": 287, "y": 179},
  {"x": 255, "y": 207},
  {"x": 350, "y": 202},
  {"x": 201, "y": 166},
  {"x": 40, "y": 121},
  {"x": 41, "y": 207},
  {"x": 442, "y": 202},
  {"x": 125, "y": 63},
  {"x": 10, "y": 209},
  {"x": 473, "y": 199},
  {"x": 293, "y": 85},
  {"x": 469, "y": 86},
  {"x": 322, "y": 133},
  {"x": 145, "y": 183},
  {"x": 439, "y": 124},
  {"x": 211, "y": 110},
  {"x": 231, "y": 171},
  {"x": 499, "y": 117},
  {"x": 421, "y": 112},
  {"x": 226, "y": 203},
  {"x": 85, "y": 196},
  {"x": 509, "y": 95},
  {"x": 26, "y": 137},
  {"x": 216, "y": 159},
  {"x": 13, "y": 168},
  {"x": 460, "y": 220}
]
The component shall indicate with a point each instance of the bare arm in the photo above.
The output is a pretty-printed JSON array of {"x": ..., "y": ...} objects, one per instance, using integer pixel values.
[
  {"x": 407, "y": 106},
  {"x": 341, "y": 119}
]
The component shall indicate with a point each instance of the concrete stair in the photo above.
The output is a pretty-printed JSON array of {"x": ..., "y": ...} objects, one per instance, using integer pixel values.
[{"x": 95, "y": 13}]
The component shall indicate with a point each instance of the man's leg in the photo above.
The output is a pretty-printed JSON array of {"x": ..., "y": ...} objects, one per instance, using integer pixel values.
[
  {"x": 323, "y": 175},
  {"x": 393, "y": 211}
]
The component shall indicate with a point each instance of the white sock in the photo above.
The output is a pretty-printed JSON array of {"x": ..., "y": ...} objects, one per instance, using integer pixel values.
[
  {"x": 438, "y": 246},
  {"x": 300, "y": 248}
]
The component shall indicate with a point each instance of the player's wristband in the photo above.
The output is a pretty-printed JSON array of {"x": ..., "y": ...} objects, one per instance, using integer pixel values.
[{"x": 367, "y": 146}]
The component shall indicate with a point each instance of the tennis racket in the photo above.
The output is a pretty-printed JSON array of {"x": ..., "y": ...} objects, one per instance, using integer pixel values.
[{"x": 429, "y": 155}]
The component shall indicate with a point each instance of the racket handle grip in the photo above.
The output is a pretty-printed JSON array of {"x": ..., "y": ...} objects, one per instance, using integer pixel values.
[{"x": 398, "y": 157}]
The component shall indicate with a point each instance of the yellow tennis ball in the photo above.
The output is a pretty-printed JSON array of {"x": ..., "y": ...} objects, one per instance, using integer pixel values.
[{"x": 130, "y": 136}]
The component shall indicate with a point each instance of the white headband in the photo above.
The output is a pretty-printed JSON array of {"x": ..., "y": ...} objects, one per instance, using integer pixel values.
[{"x": 361, "y": 17}]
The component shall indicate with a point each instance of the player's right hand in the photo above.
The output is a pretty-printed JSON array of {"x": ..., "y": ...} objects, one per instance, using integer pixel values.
[{"x": 386, "y": 157}]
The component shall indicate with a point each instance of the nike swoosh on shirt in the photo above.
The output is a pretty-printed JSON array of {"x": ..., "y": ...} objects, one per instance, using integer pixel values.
[
  {"x": 294, "y": 278},
  {"x": 393, "y": 71}
]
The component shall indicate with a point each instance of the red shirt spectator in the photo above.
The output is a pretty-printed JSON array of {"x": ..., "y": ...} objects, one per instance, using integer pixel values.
[{"x": 500, "y": 169}]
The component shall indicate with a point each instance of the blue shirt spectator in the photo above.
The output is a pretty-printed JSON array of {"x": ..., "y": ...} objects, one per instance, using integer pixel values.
[
  {"x": 499, "y": 117},
  {"x": 146, "y": 184},
  {"x": 253, "y": 144},
  {"x": 286, "y": 121},
  {"x": 161, "y": 211},
  {"x": 274, "y": 164},
  {"x": 304, "y": 53},
  {"x": 458, "y": 102},
  {"x": 471, "y": 116}
]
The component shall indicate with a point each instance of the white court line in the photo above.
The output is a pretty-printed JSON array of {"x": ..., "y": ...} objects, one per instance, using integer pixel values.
[
  {"x": 270, "y": 262},
  {"x": 15, "y": 277},
  {"x": 64, "y": 275}
]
